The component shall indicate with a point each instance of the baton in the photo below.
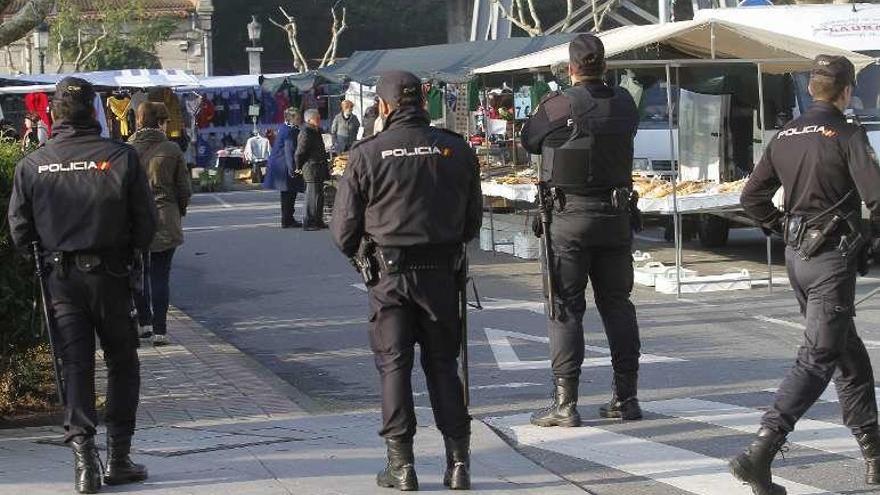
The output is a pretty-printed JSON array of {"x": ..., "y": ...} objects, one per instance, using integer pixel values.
[{"x": 49, "y": 322}]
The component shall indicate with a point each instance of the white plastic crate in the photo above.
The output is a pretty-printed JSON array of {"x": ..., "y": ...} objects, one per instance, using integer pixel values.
[
  {"x": 503, "y": 241},
  {"x": 667, "y": 284},
  {"x": 526, "y": 246},
  {"x": 648, "y": 273}
]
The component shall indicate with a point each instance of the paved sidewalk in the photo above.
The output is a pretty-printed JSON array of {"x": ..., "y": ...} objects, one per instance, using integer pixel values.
[{"x": 214, "y": 421}]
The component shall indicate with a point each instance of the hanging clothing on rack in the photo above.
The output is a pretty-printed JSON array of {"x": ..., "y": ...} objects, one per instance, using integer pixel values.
[
  {"x": 235, "y": 117},
  {"x": 101, "y": 116},
  {"x": 206, "y": 113},
  {"x": 435, "y": 103},
  {"x": 220, "y": 111},
  {"x": 119, "y": 105},
  {"x": 39, "y": 103},
  {"x": 174, "y": 128}
]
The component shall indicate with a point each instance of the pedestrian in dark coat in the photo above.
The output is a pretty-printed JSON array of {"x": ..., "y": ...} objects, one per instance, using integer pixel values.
[
  {"x": 281, "y": 171},
  {"x": 312, "y": 163}
]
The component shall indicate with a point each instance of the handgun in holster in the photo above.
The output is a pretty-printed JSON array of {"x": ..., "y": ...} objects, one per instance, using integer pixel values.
[
  {"x": 626, "y": 199},
  {"x": 365, "y": 262}
]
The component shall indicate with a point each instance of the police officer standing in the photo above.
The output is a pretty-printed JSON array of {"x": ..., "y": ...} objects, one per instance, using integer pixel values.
[
  {"x": 585, "y": 136},
  {"x": 826, "y": 167},
  {"x": 86, "y": 200},
  {"x": 413, "y": 193}
]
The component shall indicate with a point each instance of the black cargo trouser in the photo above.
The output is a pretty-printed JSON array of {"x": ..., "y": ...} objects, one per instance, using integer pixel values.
[
  {"x": 593, "y": 246},
  {"x": 85, "y": 304},
  {"x": 418, "y": 308},
  {"x": 314, "y": 204},
  {"x": 825, "y": 289}
]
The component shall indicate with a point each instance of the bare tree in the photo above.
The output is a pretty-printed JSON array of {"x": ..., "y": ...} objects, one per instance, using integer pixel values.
[
  {"x": 83, "y": 39},
  {"x": 524, "y": 15},
  {"x": 336, "y": 29},
  {"x": 517, "y": 15},
  {"x": 290, "y": 27},
  {"x": 300, "y": 63},
  {"x": 24, "y": 21}
]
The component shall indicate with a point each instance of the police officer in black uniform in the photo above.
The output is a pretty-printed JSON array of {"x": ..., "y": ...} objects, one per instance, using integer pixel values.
[
  {"x": 86, "y": 200},
  {"x": 413, "y": 191},
  {"x": 585, "y": 136},
  {"x": 826, "y": 167}
]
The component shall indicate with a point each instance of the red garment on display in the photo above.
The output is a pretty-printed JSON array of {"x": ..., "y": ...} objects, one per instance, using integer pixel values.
[
  {"x": 38, "y": 103},
  {"x": 206, "y": 114},
  {"x": 281, "y": 105}
]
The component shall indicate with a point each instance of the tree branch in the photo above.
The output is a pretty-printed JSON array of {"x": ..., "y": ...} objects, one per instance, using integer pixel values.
[
  {"x": 25, "y": 20},
  {"x": 299, "y": 61},
  {"x": 536, "y": 20},
  {"x": 598, "y": 27},
  {"x": 9, "y": 61},
  {"x": 335, "y": 31},
  {"x": 569, "y": 13},
  {"x": 60, "y": 49},
  {"x": 95, "y": 45},
  {"x": 530, "y": 30}
]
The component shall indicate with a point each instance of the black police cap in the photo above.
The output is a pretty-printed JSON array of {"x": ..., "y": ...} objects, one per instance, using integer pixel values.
[
  {"x": 587, "y": 55},
  {"x": 75, "y": 90},
  {"x": 396, "y": 84},
  {"x": 836, "y": 67}
]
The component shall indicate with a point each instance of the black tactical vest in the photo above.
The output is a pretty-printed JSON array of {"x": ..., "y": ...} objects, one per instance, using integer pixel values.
[{"x": 599, "y": 154}]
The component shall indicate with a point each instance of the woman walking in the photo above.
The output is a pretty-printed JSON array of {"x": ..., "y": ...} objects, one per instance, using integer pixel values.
[{"x": 170, "y": 182}]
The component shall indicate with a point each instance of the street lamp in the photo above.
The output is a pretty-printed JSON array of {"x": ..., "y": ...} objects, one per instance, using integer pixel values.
[
  {"x": 41, "y": 43},
  {"x": 255, "y": 31}
]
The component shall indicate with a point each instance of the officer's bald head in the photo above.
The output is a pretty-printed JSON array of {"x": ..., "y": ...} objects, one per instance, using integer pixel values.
[{"x": 73, "y": 100}]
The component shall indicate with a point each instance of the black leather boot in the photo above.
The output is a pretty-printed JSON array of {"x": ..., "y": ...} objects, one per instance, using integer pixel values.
[
  {"x": 623, "y": 404},
  {"x": 458, "y": 463},
  {"x": 86, "y": 465},
  {"x": 869, "y": 442},
  {"x": 563, "y": 411},
  {"x": 400, "y": 470},
  {"x": 120, "y": 470},
  {"x": 752, "y": 467}
]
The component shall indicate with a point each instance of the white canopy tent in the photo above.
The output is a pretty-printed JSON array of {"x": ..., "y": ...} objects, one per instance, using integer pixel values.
[
  {"x": 674, "y": 45},
  {"x": 702, "y": 39}
]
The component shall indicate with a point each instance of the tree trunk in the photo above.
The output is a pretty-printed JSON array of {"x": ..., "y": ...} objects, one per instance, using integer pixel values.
[
  {"x": 458, "y": 20},
  {"x": 24, "y": 21}
]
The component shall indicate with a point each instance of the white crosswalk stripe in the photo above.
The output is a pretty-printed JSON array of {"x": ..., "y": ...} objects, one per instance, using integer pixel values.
[
  {"x": 819, "y": 435},
  {"x": 830, "y": 394},
  {"x": 673, "y": 466}
]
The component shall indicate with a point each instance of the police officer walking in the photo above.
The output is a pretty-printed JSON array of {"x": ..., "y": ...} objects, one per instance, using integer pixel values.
[
  {"x": 826, "y": 167},
  {"x": 409, "y": 199},
  {"x": 585, "y": 136},
  {"x": 86, "y": 200}
]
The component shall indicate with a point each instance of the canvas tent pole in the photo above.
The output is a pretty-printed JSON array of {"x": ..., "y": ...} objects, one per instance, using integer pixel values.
[
  {"x": 763, "y": 132},
  {"x": 676, "y": 225},
  {"x": 361, "y": 87}
]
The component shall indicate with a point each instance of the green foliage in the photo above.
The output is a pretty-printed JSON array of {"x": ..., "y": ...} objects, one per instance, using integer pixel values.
[
  {"x": 25, "y": 369},
  {"x": 121, "y": 37}
]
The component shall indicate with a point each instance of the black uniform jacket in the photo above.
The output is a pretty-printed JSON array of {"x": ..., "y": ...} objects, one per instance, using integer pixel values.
[
  {"x": 409, "y": 185},
  {"x": 817, "y": 158},
  {"x": 82, "y": 192}
]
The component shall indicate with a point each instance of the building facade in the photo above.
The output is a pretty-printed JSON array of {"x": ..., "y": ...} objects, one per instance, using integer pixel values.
[{"x": 188, "y": 48}]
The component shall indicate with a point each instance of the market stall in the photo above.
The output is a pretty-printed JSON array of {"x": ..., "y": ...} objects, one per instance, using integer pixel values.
[{"x": 678, "y": 46}]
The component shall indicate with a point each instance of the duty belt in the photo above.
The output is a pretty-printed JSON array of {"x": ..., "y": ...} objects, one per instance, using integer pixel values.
[
  {"x": 418, "y": 258},
  {"x": 88, "y": 262}
]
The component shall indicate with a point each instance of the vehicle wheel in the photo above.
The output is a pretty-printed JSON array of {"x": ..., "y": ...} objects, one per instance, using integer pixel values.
[{"x": 714, "y": 231}]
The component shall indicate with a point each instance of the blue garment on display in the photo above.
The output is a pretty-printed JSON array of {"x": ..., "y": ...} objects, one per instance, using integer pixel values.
[
  {"x": 268, "y": 106},
  {"x": 203, "y": 152}
]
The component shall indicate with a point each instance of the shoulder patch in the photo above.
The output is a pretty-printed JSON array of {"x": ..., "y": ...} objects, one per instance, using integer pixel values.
[{"x": 552, "y": 94}]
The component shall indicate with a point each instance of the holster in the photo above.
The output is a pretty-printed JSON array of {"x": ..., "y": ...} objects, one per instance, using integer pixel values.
[{"x": 365, "y": 262}]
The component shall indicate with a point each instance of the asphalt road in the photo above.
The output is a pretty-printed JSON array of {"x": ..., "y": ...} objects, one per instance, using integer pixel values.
[{"x": 710, "y": 362}]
